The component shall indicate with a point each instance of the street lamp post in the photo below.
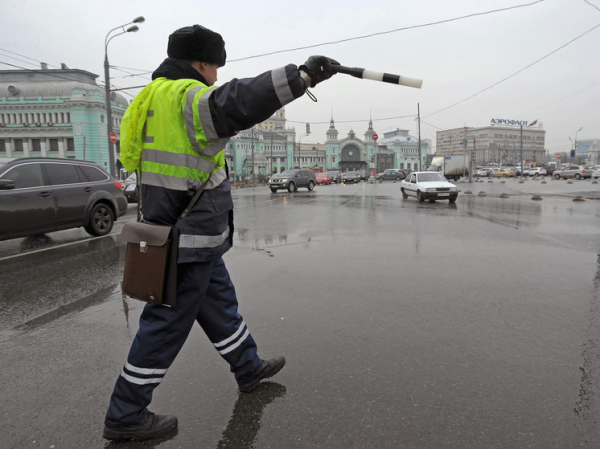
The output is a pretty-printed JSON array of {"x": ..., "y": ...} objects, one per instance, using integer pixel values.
[
  {"x": 252, "y": 157},
  {"x": 300, "y": 149},
  {"x": 132, "y": 29},
  {"x": 575, "y": 142}
]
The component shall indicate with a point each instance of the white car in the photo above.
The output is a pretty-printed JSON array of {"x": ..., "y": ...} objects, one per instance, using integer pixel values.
[
  {"x": 536, "y": 171},
  {"x": 428, "y": 186}
]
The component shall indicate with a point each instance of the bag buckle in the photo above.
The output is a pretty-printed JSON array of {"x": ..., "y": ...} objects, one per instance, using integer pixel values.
[{"x": 143, "y": 247}]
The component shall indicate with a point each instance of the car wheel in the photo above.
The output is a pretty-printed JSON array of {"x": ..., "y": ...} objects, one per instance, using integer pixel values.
[
  {"x": 504, "y": 176},
  {"x": 273, "y": 190},
  {"x": 404, "y": 195},
  {"x": 101, "y": 220},
  {"x": 311, "y": 185},
  {"x": 420, "y": 196},
  {"x": 397, "y": 178},
  {"x": 432, "y": 200},
  {"x": 556, "y": 176},
  {"x": 291, "y": 187},
  {"x": 452, "y": 200},
  {"x": 577, "y": 176}
]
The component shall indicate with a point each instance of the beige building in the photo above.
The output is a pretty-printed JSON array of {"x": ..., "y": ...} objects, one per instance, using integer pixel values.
[
  {"x": 450, "y": 141},
  {"x": 495, "y": 144}
]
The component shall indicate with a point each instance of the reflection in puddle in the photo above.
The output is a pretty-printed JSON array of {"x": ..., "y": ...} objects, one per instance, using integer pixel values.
[{"x": 244, "y": 424}]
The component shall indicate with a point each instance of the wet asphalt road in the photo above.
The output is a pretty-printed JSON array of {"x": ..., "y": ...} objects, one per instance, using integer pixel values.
[{"x": 405, "y": 325}]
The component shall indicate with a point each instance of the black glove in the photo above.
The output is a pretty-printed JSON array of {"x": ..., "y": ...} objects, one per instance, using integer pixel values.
[{"x": 318, "y": 68}]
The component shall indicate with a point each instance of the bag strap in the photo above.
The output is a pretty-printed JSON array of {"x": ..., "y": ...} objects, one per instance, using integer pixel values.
[
  {"x": 185, "y": 211},
  {"x": 195, "y": 198}
]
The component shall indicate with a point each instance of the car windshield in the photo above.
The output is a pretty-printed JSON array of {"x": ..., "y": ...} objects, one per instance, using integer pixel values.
[
  {"x": 430, "y": 177},
  {"x": 288, "y": 173},
  {"x": 321, "y": 175},
  {"x": 350, "y": 173}
]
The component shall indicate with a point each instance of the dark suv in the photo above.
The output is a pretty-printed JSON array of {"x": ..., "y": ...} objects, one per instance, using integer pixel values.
[
  {"x": 39, "y": 195},
  {"x": 292, "y": 180},
  {"x": 392, "y": 173}
]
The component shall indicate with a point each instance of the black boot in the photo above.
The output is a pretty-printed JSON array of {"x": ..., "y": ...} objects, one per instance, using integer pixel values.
[
  {"x": 268, "y": 369},
  {"x": 151, "y": 426}
]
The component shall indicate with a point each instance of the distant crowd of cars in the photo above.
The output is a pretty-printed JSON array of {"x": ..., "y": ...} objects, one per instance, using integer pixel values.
[{"x": 569, "y": 171}]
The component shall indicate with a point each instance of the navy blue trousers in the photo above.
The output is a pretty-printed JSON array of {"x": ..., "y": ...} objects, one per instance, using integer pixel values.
[{"x": 205, "y": 294}]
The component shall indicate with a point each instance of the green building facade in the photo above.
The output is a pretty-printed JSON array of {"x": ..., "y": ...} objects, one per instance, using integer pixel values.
[{"x": 56, "y": 113}]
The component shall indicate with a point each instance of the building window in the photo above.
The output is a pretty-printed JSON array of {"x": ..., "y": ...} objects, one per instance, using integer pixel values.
[
  {"x": 68, "y": 117},
  {"x": 2, "y": 147},
  {"x": 36, "y": 145},
  {"x": 18, "y": 145},
  {"x": 53, "y": 144},
  {"x": 70, "y": 144}
]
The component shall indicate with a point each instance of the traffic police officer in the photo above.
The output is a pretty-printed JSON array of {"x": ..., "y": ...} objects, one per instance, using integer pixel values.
[{"x": 174, "y": 133}]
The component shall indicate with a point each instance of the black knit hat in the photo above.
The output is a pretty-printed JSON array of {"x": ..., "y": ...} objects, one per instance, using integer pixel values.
[{"x": 197, "y": 43}]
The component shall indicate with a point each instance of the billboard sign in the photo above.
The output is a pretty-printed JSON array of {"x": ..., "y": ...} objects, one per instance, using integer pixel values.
[{"x": 501, "y": 121}]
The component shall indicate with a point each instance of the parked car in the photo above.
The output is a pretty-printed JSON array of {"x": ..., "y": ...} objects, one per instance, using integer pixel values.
[
  {"x": 292, "y": 180},
  {"x": 323, "y": 178},
  {"x": 430, "y": 186},
  {"x": 502, "y": 173},
  {"x": 130, "y": 188},
  {"x": 392, "y": 173},
  {"x": 39, "y": 195},
  {"x": 549, "y": 169},
  {"x": 595, "y": 173},
  {"x": 573, "y": 171},
  {"x": 336, "y": 176},
  {"x": 536, "y": 171},
  {"x": 362, "y": 175},
  {"x": 350, "y": 176},
  {"x": 483, "y": 172}
]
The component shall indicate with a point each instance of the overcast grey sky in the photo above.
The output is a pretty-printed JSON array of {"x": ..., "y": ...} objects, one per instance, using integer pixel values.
[{"x": 456, "y": 59}]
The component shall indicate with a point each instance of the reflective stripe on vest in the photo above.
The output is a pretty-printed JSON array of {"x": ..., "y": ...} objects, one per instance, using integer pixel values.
[
  {"x": 202, "y": 241},
  {"x": 177, "y": 171},
  {"x": 206, "y": 120}
]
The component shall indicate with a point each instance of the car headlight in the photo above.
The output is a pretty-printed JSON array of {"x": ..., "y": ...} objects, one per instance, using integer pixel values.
[
  {"x": 453, "y": 189},
  {"x": 430, "y": 190}
]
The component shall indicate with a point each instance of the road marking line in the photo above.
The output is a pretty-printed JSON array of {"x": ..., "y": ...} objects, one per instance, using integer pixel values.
[{"x": 57, "y": 246}]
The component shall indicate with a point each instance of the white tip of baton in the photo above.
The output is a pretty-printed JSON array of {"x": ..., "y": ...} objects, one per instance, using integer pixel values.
[{"x": 410, "y": 82}]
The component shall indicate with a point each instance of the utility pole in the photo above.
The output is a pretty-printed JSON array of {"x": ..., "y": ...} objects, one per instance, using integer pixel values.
[
  {"x": 271, "y": 174},
  {"x": 473, "y": 157},
  {"x": 522, "y": 166},
  {"x": 419, "y": 117},
  {"x": 464, "y": 158},
  {"x": 252, "y": 130}
]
